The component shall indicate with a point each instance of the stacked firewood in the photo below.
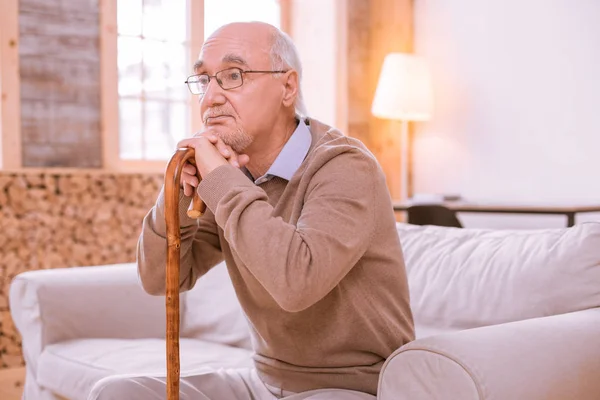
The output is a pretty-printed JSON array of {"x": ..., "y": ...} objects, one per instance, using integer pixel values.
[{"x": 54, "y": 220}]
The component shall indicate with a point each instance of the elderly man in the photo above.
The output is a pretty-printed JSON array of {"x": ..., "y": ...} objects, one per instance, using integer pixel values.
[{"x": 301, "y": 215}]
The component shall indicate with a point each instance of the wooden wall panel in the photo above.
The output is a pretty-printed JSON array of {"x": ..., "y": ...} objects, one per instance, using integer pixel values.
[
  {"x": 376, "y": 28},
  {"x": 359, "y": 93},
  {"x": 60, "y": 83}
]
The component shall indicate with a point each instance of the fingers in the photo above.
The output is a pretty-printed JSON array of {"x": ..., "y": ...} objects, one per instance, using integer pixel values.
[
  {"x": 225, "y": 150},
  {"x": 188, "y": 169},
  {"x": 233, "y": 158},
  {"x": 190, "y": 183},
  {"x": 243, "y": 160},
  {"x": 189, "y": 180},
  {"x": 188, "y": 190}
]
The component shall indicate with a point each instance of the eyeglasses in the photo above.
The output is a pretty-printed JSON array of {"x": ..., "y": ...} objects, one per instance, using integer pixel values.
[{"x": 229, "y": 78}]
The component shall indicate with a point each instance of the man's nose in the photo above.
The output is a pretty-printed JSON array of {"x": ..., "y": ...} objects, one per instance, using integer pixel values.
[{"x": 214, "y": 94}]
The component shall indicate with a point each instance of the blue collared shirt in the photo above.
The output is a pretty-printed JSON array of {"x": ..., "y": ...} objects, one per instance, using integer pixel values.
[{"x": 290, "y": 157}]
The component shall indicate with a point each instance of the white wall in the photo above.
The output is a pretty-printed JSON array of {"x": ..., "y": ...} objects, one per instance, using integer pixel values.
[
  {"x": 517, "y": 118},
  {"x": 318, "y": 29}
]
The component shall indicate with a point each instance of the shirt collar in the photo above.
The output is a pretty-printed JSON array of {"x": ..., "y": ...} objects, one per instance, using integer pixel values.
[{"x": 291, "y": 155}]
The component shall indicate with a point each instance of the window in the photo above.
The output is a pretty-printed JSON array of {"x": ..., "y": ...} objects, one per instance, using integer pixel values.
[
  {"x": 148, "y": 49},
  {"x": 152, "y": 58}
]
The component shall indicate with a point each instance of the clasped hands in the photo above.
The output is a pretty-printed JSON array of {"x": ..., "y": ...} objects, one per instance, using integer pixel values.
[{"x": 210, "y": 152}]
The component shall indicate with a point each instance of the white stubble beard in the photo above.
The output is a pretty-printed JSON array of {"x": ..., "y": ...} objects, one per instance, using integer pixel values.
[{"x": 237, "y": 139}]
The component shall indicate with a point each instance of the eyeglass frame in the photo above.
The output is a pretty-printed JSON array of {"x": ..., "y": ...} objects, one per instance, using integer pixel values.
[{"x": 242, "y": 72}]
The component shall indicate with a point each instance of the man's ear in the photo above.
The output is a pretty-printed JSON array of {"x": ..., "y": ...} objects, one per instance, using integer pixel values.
[{"x": 291, "y": 86}]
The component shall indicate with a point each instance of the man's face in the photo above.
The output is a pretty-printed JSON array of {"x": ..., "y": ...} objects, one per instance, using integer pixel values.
[{"x": 242, "y": 114}]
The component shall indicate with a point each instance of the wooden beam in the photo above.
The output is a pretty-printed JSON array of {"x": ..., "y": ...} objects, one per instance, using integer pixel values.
[
  {"x": 285, "y": 12},
  {"x": 10, "y": 86},
  {"x": 196, "y": 37},
  {"x": 341, "y": 60},
  {"x": 391, "y": 23},
  {"x": 109, "y": 78}
]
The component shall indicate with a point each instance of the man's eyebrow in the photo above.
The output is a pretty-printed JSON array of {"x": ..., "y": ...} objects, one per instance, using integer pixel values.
[
  {"x": 198, "y": 65},
  {"x": 229, "y": 58},
  {"x": 234, "y": 59}
]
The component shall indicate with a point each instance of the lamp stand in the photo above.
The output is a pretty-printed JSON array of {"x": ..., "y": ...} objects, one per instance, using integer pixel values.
[{"x": 406, "y": 189}]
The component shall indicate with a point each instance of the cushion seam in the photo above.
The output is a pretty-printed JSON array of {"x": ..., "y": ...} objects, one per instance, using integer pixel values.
[{"x": 74, "y": 361}]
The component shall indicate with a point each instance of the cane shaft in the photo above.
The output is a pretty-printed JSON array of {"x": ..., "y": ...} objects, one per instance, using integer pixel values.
[{"x": 171, "y": 191}]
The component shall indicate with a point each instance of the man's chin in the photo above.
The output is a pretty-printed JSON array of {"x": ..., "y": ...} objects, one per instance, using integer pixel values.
[
  {"x": 222, "y": 133},
  {"x": 235, "y": 139},
  {"x": 239, "y": 147}
]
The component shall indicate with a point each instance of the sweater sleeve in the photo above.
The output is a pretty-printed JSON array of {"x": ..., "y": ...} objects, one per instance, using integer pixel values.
[
  {"x": 298, "y": 264},
  {"x": 200, "y": 247}
]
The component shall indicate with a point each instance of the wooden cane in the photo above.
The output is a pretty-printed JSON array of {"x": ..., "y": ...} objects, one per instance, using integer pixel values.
[{"x": 172, "y": 187}]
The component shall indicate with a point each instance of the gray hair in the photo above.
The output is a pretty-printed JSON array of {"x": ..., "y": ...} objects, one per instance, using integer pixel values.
[{"x": 284, "y": 54}]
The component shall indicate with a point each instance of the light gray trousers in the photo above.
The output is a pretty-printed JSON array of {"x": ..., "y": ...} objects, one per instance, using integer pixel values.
[{"x": 222, "y": 384}]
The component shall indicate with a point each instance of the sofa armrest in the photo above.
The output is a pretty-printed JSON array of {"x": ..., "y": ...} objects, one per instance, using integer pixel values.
[
  {"x": 54, "y": 305},
  {"x": 555, "y": 357}
]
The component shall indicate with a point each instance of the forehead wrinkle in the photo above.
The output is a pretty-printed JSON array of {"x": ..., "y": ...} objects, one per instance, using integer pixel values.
[
  {"x": 232, "y": 58},
  {"x": 229, "y": 58},
  {"x": 253, "y": 49}
]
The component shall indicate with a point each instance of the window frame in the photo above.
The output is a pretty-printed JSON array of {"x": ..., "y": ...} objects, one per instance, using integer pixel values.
[{"x": 10, "y": 87}]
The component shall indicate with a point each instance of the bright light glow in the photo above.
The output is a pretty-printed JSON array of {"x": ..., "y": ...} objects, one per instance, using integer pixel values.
[
  {"x": 152, "y": 63},
  {"x": 220, "y": 12}
]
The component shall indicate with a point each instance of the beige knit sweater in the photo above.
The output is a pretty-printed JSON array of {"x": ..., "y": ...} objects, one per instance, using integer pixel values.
[{"x": 316, "y": 264}]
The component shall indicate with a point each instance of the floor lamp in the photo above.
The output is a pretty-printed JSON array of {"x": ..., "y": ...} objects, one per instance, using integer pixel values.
[{"x": 404, "y": 94}]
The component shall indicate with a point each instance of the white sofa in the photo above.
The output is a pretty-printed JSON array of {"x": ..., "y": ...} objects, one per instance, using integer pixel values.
[{"x": 499, "y": 315}]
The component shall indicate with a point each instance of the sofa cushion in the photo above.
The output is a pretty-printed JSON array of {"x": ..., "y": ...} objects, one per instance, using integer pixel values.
[
  {"x": 467, "y": 278},
  {"x": 211, "y": 311},
  {"x": 71, "y": 368}
]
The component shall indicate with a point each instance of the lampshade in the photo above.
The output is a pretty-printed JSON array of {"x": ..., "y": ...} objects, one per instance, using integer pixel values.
[{"x": 404, "y": 90}]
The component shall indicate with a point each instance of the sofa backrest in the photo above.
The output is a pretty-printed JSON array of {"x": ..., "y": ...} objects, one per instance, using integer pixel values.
[
  {"x": 211, "y": 311},
  {"x": 467, "y": 278}
]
